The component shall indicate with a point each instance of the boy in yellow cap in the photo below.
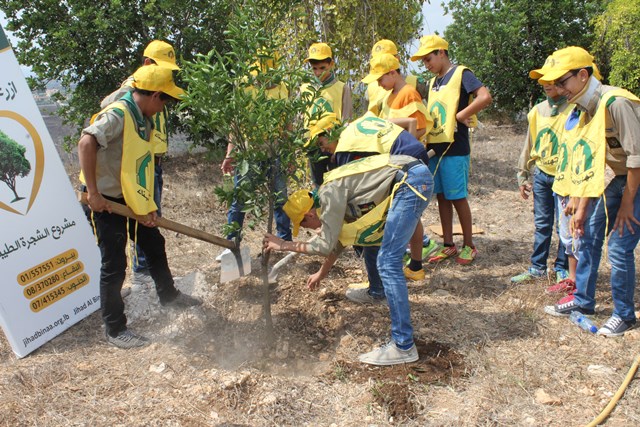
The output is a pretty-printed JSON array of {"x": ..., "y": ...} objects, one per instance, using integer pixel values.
[
  {"x": 546, "y": 124},
  {"x": 334, "y": 98},
  {"x": 116, "y": 159},
  {"x": 377, "y": 94},
  {"x": 602, "y": 169},
  {"x": 159, "y": 53},
  {"x": 353, "y": 202},
  {"x": 455, "y": 95}
]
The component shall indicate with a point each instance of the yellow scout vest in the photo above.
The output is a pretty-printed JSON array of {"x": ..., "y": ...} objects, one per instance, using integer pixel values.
[
  {"x": 585, "y": 165},
  {"x": 368, "y": 134},
  {"x": 377, "y": 94},
  {"x": 443, "y": 106},
  {"x": 367, "y": 230},
  {"x": 546, "y": 134},
  {"x": 329, "y": 100},
  {"x": 137, "y": 165},
  {"x": 159, "y": 134},
  {"x": 562, "y": 179}
]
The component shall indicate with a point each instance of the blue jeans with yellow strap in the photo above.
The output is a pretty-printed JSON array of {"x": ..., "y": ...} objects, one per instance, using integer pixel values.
[{"x": 402, "y": 218}]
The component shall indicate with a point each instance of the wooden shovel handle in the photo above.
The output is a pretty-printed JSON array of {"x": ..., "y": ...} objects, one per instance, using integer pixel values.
[{"x": 165, "y": 223}]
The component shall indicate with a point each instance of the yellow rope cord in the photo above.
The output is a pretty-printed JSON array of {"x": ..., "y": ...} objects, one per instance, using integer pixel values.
[{"x": 614, "y": 400}]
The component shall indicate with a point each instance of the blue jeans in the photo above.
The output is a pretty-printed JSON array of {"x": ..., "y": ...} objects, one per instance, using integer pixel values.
[
  {"x": 283, "y": 223},
  {"x": 402, "y": 218},
  {"x": 139, "y": 259},
  {"x": 621, "y": 256},
  {"x": 545, "y": 213}
]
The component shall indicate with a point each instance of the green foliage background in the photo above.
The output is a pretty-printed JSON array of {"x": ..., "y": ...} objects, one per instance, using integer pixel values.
[
  {"x": 502, "y": 40},
  {"x": 617, "y": 44}
]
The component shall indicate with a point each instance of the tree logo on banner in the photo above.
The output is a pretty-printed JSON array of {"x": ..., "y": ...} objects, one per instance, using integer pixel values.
[{"x": 15, "y": 165}]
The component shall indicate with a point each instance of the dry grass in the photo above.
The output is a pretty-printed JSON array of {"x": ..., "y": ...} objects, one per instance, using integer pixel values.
[{"x": 493, "y": 347}]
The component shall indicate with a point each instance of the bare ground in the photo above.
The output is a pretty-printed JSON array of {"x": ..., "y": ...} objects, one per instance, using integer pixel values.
[{"x": 489, "y": 356}]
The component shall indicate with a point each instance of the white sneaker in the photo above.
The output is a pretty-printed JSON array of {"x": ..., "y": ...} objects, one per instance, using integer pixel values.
[
  {"x": 389, "y": 354},
  {"x": 219, "y": 257},
  {"x": 362, "y": 296}
]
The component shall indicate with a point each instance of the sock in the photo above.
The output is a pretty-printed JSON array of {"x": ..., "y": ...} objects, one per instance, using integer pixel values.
[{"x": 415, "y": 265}]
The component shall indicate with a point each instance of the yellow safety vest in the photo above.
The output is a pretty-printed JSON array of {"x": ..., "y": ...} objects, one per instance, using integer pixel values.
[
  {"x": 582, "y": 172},
  {"x": 329, "y": 100},
  {"x": 367, "y": 230},
  {"x": 546, "y": 134},
  {"x": 368, "y": 134},
  {"x": 159, "y": 137},
  {"x": 443, "y": 107},
  {"x": 137, "y": 165}
]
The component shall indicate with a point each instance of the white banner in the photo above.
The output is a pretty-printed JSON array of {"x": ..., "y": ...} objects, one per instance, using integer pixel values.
[{"x": 49, "y": 261}]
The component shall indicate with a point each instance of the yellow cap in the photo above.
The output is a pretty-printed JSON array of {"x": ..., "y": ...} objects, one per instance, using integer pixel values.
[
  {"x": 156, "y": 79},
  {"x": 266, "y": 61},
  {"x": 384, "y": 46},
  {"x": 323, "y": 124},
  {"x": 298, "y": 204},
  {"x": 562, "y": 61},
  {"x": 381, "y": 65},
  {"x": 319, "y": 51},
  {"x": 428, "y": 44},
  {"x": 162, "y": 53}
]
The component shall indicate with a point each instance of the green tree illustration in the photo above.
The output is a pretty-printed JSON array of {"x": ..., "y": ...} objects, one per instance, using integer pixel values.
[{"x": 13, "y": 163}]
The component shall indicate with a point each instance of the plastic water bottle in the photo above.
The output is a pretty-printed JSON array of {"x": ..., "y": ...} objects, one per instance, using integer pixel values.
[{"x": 583, "y": 321}]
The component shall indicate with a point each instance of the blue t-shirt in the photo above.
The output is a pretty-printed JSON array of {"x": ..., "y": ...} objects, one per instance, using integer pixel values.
[
  {"x": 405, "y": 144},
  {"x": 470, "y": 84}
]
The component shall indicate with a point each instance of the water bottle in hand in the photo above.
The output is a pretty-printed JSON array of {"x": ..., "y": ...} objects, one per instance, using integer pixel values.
[{"x": 583, "y": 321}]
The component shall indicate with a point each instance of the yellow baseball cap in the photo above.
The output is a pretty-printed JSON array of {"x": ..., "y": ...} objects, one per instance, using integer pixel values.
[
  {"x": 562, "y": 61},
  {"x": 381, "y": 65},
  {"x": 384, "y": 46},
  {"x": 323, "y": 124},
  {"x": 162, "y": 53},
  {"x": 298, "y": 204},
  {"x": 319, "y": 51},
  {"x": 428, "y": 44},
  {"x": 156, "y": 79}
]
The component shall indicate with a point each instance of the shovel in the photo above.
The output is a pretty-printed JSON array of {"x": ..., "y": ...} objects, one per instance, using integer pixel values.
[{"x": 233, "y": 265}]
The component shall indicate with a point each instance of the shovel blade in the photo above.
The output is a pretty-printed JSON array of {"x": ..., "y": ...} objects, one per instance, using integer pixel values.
[{"x": 235, "y": 264}]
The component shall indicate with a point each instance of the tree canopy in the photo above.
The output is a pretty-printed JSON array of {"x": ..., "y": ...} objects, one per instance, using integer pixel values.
[
  {"x": 13, "y": 163},
  {"x": 617, "y": 44},
  {"x": 502, "y": 40},
  {"x": 92, "y": 46}
]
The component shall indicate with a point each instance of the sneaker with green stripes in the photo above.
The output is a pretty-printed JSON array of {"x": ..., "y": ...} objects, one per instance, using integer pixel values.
[
  {"x": 529, "y": 275},
  {"x": 467, "y": 255},
  {"x": 431, "y": 248},
  {"x": 444, "y": 253},
  {"x": 427, "y": 251}
]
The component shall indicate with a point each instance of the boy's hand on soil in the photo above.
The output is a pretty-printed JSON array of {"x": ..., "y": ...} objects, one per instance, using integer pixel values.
[{"x": 313, "y": 281}]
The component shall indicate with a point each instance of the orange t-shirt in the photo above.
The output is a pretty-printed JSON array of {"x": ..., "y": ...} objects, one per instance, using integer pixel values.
[{"x": 404, "y": 97}]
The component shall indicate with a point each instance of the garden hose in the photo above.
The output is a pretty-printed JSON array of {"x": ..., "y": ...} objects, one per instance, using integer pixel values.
[{"x": 614, "y": 400}]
